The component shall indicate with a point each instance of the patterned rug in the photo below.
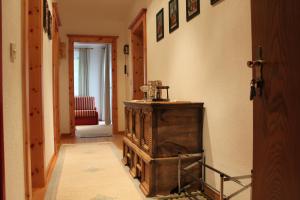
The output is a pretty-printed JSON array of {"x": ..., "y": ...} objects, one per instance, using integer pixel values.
[{"x": 91, "y": 172}]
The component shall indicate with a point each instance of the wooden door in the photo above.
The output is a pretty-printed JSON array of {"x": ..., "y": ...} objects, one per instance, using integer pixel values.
[
  {"x": 55, "y": 54},
  {"x": 139, "y": 53},
  {"x": 276, "y": 167},
  {"x": 2, "y": 185}
]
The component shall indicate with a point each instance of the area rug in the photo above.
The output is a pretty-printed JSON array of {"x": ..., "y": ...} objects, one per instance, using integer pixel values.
[
  {"x": 93, "y": 131},
  {"x": 91, "y": 171}
]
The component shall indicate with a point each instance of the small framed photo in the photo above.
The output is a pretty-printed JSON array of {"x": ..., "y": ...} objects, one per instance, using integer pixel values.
[
  {"x": 212, "y": 2},
  {"x": 160, "y": 25},
  {"x": 192, "y": 9},
  {"x": 49, "y": 25},
  {"x": 173, "y": 15},
  {"x": 45, "y": 13},
  {"x": 46, "y": 17}
]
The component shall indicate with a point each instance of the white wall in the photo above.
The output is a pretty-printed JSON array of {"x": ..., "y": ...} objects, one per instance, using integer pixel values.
[
  {"x": 12, "y": 101},
  {"x": 48, "y": 96},
  {"x": 205, "y": 60},
  {"x": 86, "y": 22}
]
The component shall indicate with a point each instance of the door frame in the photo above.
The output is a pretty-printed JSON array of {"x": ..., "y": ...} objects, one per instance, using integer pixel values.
[
  {"x": 56, "y": 23},
  {"x": 139, "y": 20},
  {"x": 93, "y": 39},
  {"x": 25, "y": 91},
  {"x": 2, "y": 166}
]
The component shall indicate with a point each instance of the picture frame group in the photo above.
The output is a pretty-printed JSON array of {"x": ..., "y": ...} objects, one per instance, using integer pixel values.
[{"x": 192, "y": 10}]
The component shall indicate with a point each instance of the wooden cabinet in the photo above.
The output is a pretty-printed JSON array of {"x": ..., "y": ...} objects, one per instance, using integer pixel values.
[{"x": 156, "y": 132}]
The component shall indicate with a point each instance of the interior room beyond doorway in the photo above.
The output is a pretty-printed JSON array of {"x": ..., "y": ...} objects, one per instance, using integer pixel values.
[{"x": 93, "y": 89}]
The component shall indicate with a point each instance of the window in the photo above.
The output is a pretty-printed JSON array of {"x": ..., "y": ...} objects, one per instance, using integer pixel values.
[{"x": 76, "y": 72}]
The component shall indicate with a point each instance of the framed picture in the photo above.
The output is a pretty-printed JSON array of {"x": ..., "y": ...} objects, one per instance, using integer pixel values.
[
  {"x": 160, "y": 25},
  {"x": 46, "y": 18},
  {"x": 49, "y": 25},
  {"x": 173, "y": 15},
  {"x": 212, "y": 2},
  {"x": 45, "y": 13},
  {"x": 192, "y": 9}
]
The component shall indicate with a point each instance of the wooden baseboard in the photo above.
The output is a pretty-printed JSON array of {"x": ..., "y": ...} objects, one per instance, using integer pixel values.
[
  {"x": 50, "y": 168},
  {"x": 210, "y": 193},
  {"x": 121, "y": 133}
]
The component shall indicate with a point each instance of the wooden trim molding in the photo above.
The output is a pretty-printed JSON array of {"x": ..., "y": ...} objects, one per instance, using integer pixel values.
[
  {"x": 35, "y": 60},
  {"x": 25, "y": 91},
  {"x": 138, "y": 30},
  {"x": 55, "y": 10},
  {"x": 51, "y": 167},
  {"x": 2, "y": 165},
  {"x": 93, "y": 39},
  {"x": 211, "y": 194},
  {"x": 55, "y": 77},
  {"x": 142, "y": 12}
]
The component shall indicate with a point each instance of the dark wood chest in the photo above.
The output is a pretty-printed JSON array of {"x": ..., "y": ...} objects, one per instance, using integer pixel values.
[{"x": 156, "y": 133}]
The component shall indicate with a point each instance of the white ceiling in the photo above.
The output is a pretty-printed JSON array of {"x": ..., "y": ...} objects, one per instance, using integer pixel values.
[{"x": 113, "y": 9}]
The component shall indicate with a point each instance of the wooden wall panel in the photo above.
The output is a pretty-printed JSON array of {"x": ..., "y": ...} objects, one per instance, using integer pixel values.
[
  {"x": 93, "y": 39},
  {"x": 2, "y": 190},
  {"x": 35, "y": 38},
  {"x": 25, "y": 88}
]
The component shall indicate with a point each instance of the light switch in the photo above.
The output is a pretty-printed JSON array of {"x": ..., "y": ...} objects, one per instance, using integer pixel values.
[{"x": 13, "y": 52}]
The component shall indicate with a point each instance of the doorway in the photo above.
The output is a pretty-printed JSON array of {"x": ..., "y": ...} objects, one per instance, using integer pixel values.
[
  {"x": 139, "y": 53},
  {"x": 93, "y": 89},
  {"x": 111, "y": 43}
]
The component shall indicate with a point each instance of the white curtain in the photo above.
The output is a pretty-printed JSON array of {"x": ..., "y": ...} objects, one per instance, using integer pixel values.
[
  {"x": 105, "y": 83},
  {"x": 84, "y": 62}
]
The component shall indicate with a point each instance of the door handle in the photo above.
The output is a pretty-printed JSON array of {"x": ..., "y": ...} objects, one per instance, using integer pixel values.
[
  {"x": 257, "y": 83},
  {"x": 256, "y": 63}
]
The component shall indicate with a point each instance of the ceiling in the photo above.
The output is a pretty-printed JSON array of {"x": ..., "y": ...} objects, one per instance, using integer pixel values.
[{"x": 116, "y": 10}]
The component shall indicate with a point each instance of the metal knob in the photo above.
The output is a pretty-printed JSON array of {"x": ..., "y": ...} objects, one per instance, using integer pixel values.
[{"x": 252, "y": 64}]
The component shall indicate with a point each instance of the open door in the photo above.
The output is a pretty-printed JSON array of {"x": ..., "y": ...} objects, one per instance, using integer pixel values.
[
  {"x": 276, "y": 73},
  {"x": 139, "y": 53}
]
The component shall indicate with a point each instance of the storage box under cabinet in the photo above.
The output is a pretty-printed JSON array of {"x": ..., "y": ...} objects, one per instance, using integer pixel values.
[{"x": 165, "y": 129}]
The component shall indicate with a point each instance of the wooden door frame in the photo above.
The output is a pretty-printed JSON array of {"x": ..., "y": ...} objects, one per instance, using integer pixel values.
[
  {"x": 55, "y": 76},
  {"x": 25, "y": 92},
  {"x": 140, "y": 19},
  {"x": 93, "y": 39},
  {"x": 2, "y": 193}
]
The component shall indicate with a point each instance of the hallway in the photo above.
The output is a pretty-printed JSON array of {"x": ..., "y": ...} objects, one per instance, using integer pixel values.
[
  {"x": 194, "y": 86},
  {"x": 85, "y": 171}
]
